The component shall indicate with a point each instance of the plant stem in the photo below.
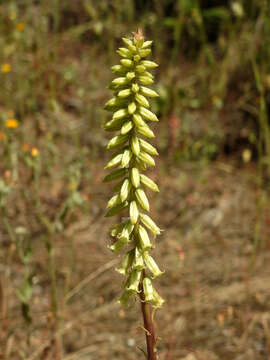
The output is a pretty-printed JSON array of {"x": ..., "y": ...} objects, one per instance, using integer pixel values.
[{"x": 148, "y": 325}]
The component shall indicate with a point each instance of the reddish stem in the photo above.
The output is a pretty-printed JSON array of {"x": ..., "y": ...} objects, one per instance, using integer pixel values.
[{"x": 149, "y": 327}]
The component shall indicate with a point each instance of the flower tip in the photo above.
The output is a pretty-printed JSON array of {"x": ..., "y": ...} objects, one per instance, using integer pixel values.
[
  {"x": 138, "y": 34},
  {"x": 157, "y": 274}
]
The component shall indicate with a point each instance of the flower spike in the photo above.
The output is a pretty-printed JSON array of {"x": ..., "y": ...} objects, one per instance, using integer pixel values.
[{"x": 132, "y": 119}]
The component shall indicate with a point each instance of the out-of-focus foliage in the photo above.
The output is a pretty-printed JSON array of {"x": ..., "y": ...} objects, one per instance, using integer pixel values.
[{"x": 214, "y": 57}]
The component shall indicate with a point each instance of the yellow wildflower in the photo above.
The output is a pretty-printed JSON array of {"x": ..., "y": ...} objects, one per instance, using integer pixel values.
[
  {"x": 20, "y": 26},
  {"x": 12, "y": 123},
  {"x": 34, "y": 152},
  {"x": 5, "y": 68}
]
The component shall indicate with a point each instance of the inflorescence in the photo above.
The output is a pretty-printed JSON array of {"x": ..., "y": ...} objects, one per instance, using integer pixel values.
[{"x": 133, "y": 155}]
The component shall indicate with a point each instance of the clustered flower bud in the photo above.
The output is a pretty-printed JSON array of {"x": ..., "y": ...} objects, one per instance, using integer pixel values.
[{"x": 133, "y": 154}]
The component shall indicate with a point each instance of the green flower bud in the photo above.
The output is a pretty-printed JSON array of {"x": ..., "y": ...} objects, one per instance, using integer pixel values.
[
  {"x": 120, "y": 114},
  {"x": 144, "y": 52},
  {"x": 148, "y": 92},
  {"x": 116, "y": 209},
  {"x": 141, "y": 100},
  {"x": 148, "y": 147},
  {"x": 124, "y": 93},
  {"x": 131, "y": 108},
  {"x": 124, "y": 52},
  {"x": 147, "y": 73},
  {"x": 126, "y": 263},
  {"x": 119, "y": 81},
  {"x": 137, "y": 58},
  {"x": 126, "y": 62},
  {"x": 146, "y": 158},
  {"x": 142, "y": 199},
  {"x": 135, "y": 177},
  {"x": 149, "y": 223},
  {"x": 145, "y": 80},
  {"x": 152, "y": 265},
  {"x": 111, "y": 103},
  {"x": 133, "y": 212},
  {"x": 149, "y": 183},
  {"x": 130, "y": 76},
  {"x": 115, "y": 161},
  {"x": 134, "y": 281},
  {"x": 127, "y": 156},
  {"x": 118, "y": 69},
  {"x": 116, "y": 174},
  {"x": 140, "y": 68},
  {"x": 149, "y": 64},
  {"x": 135, "y": 145},
  {"x": 147, "y": 114},
  {"x": 148, "y": 290},
  {"x": 144, "y": 239},
  {"x": 135, "y": 88},
  {"x": 129, "y": 44},
  {"x": 127, "y": 127},
  {"x": 147, "y": 44},
  {"x": 125, "y": 189},
  {"x": 138, "y": 120},
  {"x": 114, "y": 124},
  {"x": 146, "y": 131},
  {"x": 116, "y": 141},
  {"x": 115, "y": 200}
]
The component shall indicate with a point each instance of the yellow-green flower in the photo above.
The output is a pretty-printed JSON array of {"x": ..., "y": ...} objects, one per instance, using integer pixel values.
[
  {"x": 5, "y": 68},
  {"x": 12, "y": 124}
]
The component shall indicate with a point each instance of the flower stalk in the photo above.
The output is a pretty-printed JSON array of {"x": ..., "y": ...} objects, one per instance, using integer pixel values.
[{"x": 133, "y": 154}]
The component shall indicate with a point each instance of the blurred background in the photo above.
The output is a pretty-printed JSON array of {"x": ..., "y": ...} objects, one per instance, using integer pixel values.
[{"x": 58, "y": 287}]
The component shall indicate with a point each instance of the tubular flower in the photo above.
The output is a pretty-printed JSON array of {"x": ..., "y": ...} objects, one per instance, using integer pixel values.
[{"x": 132, "y": 156}]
